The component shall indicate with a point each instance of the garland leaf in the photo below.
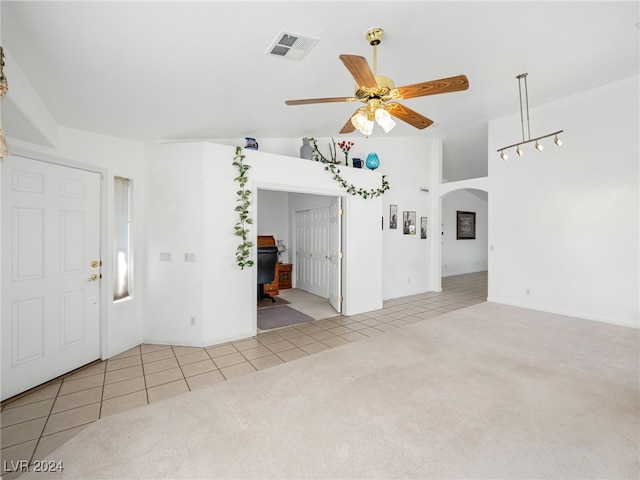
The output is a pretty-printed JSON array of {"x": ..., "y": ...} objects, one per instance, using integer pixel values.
[
  {"x": 332, "y": 166},
  {"x": 243, "y": 252}
]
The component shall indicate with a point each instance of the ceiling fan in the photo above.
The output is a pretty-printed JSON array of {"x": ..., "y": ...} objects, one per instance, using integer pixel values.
[{"x": 379, "y": 94}]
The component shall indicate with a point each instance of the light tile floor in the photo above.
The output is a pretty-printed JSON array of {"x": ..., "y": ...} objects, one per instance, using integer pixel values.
[{"x": 34, "y": 425}]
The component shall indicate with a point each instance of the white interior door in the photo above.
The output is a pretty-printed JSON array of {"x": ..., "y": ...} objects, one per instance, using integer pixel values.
[
  {"x": 51, "y": 271},
  {"x": 312, "y": 251},
  {"x": 335, "y": 254}
]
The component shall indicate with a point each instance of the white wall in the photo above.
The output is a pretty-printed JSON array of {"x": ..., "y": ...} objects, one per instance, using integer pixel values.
[
  {"x": 410, "y": 265},
  {"x": 464, "y": 256},
  {"x": 564, "y": 222},
  {"x": 202, "y": 219},
  {"x": 173, "y": 224},
  {"x": 408, "y": 260}
]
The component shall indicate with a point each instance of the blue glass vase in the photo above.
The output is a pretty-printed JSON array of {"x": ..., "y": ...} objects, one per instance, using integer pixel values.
[{"x": 373, "y": 161}]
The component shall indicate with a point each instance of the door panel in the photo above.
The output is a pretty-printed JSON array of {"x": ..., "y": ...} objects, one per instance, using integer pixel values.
[
  {"x": 335, "y": 254},
  {"x": 312, "y": 251},
  {"x": 28, "y": 330},
  {"x": 50, "y": 306},
  {"x": 28, "y": 232}
]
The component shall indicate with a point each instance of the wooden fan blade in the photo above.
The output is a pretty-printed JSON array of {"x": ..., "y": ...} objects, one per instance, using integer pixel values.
[
  {"x": 320, "y": 100},
  {"x": 444, "y": 85},
  {"x": 359, "y": 69},
  {"x": 407, "y": 115},
  {"x": 349, "y": 127}
]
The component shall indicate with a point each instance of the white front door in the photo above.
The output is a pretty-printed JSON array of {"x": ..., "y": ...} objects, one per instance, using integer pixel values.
[
  {"x": 50, "y": 271},
  {"x": 335, "y": 254}
]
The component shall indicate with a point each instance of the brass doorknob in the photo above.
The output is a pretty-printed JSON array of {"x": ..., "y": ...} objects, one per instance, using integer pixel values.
[{"x": 94, "y": 277}]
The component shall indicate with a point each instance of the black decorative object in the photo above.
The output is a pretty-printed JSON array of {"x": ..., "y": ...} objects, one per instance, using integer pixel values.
[
  {"x": 466, "y": 225},
  {"x": 252, "y": 143}
]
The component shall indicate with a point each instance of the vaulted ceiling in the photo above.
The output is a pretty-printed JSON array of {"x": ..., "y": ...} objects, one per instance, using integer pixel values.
[{"x": 153, "y": 70}]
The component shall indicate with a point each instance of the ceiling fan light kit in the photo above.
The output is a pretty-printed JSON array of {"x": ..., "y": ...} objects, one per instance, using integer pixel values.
[
  {"x": 380, "y": 95},
  {"x": 538, "y": 146}
]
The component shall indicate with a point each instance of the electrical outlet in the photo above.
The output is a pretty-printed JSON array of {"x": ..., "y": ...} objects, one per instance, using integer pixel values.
[
  {"x": 193, "y": 321},
  {"x": 189, "y": 257},
  {"x": 526, "y": 291},
  {"x": 165, "y": 256}
]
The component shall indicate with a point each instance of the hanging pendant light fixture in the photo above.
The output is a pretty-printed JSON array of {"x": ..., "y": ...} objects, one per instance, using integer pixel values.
[
  {"x": 538, "y": 145},
  {"x": 375, "y": 110}
]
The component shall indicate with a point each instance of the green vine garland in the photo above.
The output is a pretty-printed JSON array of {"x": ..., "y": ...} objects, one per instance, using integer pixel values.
[
  {"x": 244, "y": 195},
  {"x": 242, "y": 252},
  {"x": 332, "y": 166}
]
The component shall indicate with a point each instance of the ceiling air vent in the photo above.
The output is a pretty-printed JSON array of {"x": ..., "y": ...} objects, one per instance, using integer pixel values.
[{"x": 291, "y": 46}]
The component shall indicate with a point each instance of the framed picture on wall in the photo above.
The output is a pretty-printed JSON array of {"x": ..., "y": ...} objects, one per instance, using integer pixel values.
[
  {"x": 409, "y": 223},
  {"x": 423, "y": 227},
  {"x": 393, "y": 217},
  {"x": 466, "y": 225}
]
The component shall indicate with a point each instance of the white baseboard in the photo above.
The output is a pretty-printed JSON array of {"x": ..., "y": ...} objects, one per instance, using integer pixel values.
[
  {"x": 120, "y": 349},
  {"x": 565, "y": 313}
]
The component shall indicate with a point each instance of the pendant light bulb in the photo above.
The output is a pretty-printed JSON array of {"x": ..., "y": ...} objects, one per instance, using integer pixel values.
[
  {"x": 384, "y": 120},
  {"x": 367, "y": 128},
  {"x": 359, "y": 119},
  {"x": 503, "y": 155},
  {"x": 519, "y": 151},
  {"x": 539, "y": 146},
  {"x": 557, "y": 141}
]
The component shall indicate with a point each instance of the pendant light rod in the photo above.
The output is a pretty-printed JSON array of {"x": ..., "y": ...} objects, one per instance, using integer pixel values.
[
  {"x": 524, "y": 106},
  {"x": 374, "y": 37},
  {"x": 526, "y": 96}
]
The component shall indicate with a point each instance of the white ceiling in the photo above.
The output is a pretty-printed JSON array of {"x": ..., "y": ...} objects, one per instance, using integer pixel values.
[{"x": 154, "y": 70}]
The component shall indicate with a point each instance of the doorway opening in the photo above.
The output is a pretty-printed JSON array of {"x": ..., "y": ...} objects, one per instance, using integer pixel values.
[
  {"x": 308, "y": 228},
  {"x": 464, "y": 254}
]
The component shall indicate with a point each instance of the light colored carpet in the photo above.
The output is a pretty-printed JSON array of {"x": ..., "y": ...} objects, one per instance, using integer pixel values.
[{"x": 489, "y": 391}]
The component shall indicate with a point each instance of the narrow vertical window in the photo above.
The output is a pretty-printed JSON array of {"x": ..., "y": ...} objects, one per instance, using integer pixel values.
[{"x": 122, "y": 235}]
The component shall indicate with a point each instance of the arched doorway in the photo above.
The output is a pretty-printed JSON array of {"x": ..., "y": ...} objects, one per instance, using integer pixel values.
[{"x": 459, "y": 256}]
